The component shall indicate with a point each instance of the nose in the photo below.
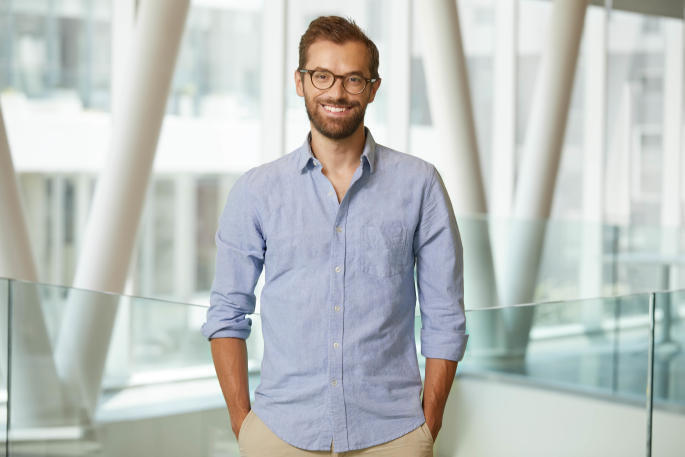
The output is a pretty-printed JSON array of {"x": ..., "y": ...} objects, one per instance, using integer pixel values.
[{"x": 337, "y": 88}]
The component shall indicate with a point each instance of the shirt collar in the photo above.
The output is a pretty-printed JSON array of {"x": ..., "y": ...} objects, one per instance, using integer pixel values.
[{"x": 305, "y": 157}]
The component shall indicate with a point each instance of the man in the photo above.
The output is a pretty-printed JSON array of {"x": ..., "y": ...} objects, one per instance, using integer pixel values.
[{"x": 338, "y": 225}]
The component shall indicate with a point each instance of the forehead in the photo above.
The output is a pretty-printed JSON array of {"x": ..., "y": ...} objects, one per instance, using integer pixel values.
[{"x": 351, "y": 56}]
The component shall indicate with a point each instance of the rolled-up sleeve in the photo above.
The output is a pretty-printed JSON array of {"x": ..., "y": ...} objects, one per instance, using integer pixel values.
[
  {"x": 439, "y": 275},
  {"x": 239, "y": 260}
]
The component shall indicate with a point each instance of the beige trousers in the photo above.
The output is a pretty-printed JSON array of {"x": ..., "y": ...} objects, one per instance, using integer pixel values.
[{"x": 256, "y": 440}]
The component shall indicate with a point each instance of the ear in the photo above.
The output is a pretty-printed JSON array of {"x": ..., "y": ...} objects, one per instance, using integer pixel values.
[
  {"x": 374, "y": 89},
  {"x": 299, "y": 83}
]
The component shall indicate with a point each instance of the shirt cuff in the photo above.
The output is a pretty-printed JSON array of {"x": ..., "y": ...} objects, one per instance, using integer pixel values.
[
  {"x": 211, "y": 333},
  {"x": 442, "y": 345}
]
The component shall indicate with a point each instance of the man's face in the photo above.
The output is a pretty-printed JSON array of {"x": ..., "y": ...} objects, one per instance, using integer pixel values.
[{"x": 324, "y": 106}]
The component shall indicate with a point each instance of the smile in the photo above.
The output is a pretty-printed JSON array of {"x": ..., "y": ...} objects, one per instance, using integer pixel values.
[{"x": 335, "y": 109}]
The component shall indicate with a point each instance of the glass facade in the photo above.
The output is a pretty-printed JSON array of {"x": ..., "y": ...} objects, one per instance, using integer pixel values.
[{"x": 55, "y": 77}]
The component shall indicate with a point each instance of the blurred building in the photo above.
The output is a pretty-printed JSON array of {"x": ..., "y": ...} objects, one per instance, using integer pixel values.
[{"x": 232, "y": 106}]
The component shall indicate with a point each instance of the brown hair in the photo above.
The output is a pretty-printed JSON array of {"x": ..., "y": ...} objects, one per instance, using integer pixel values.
[{"x": 338, "y": 30}]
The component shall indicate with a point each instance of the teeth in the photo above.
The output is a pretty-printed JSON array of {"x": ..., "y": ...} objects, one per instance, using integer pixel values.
[{"x": 334, "y": 109}]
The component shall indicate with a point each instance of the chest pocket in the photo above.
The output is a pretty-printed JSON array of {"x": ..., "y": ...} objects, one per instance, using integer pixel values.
[{"x": 385, "y": 249}]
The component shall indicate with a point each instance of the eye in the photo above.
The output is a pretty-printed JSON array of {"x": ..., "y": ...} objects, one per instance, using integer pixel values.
[
  {"x": 355, "y": 79},
  {"x": 321, "y": 76}
]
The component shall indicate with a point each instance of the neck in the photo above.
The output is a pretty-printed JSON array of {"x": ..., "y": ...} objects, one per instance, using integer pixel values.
[{"x": 338, "y": 156}]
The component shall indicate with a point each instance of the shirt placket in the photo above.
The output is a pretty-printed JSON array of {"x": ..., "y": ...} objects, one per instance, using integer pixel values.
[{"x": 336, "y": 309}]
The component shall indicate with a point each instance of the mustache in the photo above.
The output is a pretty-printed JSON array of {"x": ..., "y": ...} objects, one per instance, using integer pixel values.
[{"x": 339, "y": 101}]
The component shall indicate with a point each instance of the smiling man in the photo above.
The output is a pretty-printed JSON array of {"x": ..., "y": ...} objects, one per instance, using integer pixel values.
[{"x": 338, "y": 225}]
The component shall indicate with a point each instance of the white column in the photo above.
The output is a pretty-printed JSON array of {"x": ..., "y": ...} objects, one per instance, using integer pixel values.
[
  {"x": 35, "y": 385},
  {"x": 184, "y": 236},
  {"x": 594, "y": 153},
  {"x": 37, "y": 206},
  {"x": 275, "y": 76},
  {"x": 16, "y": 256},
  {"x": 82, "y": 205},
  {"x": 398, "y": 89},
  {"x": 147, "y": 245},
  {"x": 595, "y": 113},
  {"x": 115, "y": 215},
  {"x": 617, "y": 192},
  {"x": 672, "y": 161},
  {"x": 673, "y": 123},
  {"x": 540, "y": 161},
  {"x": 459, "y": 165},
  {"x": 450, "y": 104},
  {"x": 57, "y": 274},
  {"x": 547, "y": 126},
  {"x": 123, "y": 24},
  {"x": 503, "y": 166},
  {"x": 505, "y": 77}
]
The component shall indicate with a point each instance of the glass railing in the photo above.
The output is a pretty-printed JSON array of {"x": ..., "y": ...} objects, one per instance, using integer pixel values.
[
  {"x": 96, "y": 374},
  {"x": 565, "y": 363},
  {"x": 669, "y": 350},
  {"x": 123, "y": 390},
  {"x": 4, "y": 363},
  {"x": 598, "y": 346}
]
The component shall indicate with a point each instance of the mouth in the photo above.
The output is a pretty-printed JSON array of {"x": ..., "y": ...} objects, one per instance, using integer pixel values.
[{"x": 336, "y": 109}]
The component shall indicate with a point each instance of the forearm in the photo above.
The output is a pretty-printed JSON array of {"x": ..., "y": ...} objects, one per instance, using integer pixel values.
[
  {"x": 439, "y": 378},
  {"x": 230, "y": 363}
]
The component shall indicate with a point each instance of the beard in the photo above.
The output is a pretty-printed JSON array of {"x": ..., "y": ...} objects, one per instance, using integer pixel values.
[{"x": 335, "y": 129}]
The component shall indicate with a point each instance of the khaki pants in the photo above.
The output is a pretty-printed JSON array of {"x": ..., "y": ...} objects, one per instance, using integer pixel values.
[{"x": 256, "y": 440}]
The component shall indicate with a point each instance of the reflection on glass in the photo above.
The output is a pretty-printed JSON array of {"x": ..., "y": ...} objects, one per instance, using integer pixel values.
[
  {"x": 158, "y": 368},
  {"x": 669, "y": 349},
  {"x": 595, "y": 345}
]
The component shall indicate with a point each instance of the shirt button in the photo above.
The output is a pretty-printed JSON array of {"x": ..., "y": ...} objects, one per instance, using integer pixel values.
[
  {"x": 338, "y": 229},
  {"x": 338, "y": 269},
  {"x": 334, "y": 382},
  {"x": 336, "y": 345},
  {"x": 337, "y": 308}
]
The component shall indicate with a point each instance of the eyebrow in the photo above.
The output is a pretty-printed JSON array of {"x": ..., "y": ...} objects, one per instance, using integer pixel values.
[{"x": 358, "y": 73}]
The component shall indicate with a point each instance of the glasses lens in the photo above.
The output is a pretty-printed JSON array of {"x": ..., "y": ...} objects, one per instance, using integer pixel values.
[
  {"x": 322, "y": 79},
  {"x": 354, "y": 84}
]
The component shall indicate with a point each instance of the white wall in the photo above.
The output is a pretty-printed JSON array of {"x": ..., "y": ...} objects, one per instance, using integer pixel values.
[
  {"x": 488, "y": 418},
  {"x": 484, "y": 418}
]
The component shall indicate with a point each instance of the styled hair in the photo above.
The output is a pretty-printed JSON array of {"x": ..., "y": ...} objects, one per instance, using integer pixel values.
[{"x": 338, "y": 30}]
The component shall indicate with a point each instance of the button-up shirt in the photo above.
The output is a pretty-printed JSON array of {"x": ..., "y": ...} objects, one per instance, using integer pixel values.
[{"x": 338, "y": 302}]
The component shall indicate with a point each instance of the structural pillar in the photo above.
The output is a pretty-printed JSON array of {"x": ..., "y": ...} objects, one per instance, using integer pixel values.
[
  {"x": 505, "y": 77},
  {"x": 35, "y": 385},
  {"x": 274, "y": 78},
  {"x": 459, "y": 165},
  {"x": 116, "y": 210},
  {"x": 672, "y": 162},
  {"x": 398, "y": 88},
  {"x": 539, "y": 165},
  {"x": 594, "y": 153},
  {"x": 591, "y": 259}
]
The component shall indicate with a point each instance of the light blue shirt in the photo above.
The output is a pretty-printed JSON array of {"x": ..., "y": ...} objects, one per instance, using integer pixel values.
[{"x": 338, "y": 302}]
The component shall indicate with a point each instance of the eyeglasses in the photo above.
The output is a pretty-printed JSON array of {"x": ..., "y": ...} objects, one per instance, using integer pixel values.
[{"x": 324, "y": 79}]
